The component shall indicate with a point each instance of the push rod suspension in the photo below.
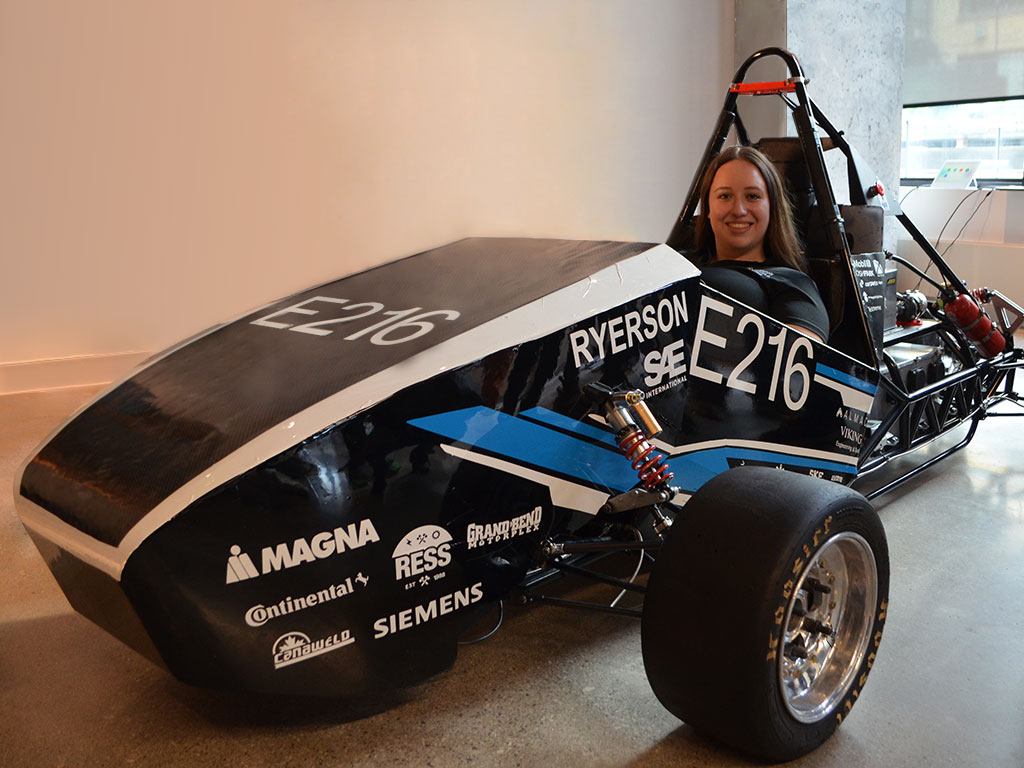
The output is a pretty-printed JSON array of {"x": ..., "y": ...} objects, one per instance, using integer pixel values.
[
  {"x": 561, "y": 602},
  {"x": 573, "y": 547},
  {"x": 595, "y": 576}
]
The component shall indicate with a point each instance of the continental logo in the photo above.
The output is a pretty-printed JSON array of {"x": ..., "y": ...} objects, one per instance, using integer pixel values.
[
  {"x": 258, "y": 615},
  {"x": 289, "y": 554}
]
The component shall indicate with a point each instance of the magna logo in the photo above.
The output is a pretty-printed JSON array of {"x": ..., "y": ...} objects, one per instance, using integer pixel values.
[
  {"x": 290, "y": 554},
  {"x": 422, "y": 551},
  {"x": 293, "y": 647}
]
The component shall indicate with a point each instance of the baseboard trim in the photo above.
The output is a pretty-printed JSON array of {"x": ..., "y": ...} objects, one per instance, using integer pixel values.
[{"x": 58, "y": 373}]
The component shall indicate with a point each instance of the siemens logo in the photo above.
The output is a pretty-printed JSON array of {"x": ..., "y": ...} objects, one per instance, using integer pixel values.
[{"x": 421, "y": 614}]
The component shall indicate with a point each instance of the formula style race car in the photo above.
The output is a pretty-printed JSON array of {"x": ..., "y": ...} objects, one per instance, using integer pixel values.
[{"x": 322, "y": 496}]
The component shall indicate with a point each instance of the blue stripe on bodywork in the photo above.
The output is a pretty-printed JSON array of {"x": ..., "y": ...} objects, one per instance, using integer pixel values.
[
  {"x": 694, "y": 469},
  {"x": 571, "y": 425},
  {"x": 845, "y": 378},
  {"x": 535, "y": 445}
]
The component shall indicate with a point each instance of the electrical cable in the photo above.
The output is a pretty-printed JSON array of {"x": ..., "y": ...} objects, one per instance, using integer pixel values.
[
  {"x": 973, "y": 213},
  {"x": 964, "y": 200},
  {"x": 636, "y": 573},
  {"x": 912, "y": 191},
  {"x": 497, "y": 626},
  {"x": 958, "y": 234},
  {"x": 913, "y": 268}
]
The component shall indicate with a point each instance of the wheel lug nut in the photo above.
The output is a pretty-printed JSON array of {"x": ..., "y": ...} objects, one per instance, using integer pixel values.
[
  {"x": 817, "y": 627},
  {"x": 796, "y": 652},
  {"x": 811, "y": 584}
]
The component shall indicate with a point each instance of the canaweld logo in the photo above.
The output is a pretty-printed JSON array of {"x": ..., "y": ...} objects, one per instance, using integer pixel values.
[
  {"x": 293, "y": 647},
  {"x": 290, "y": 554}
]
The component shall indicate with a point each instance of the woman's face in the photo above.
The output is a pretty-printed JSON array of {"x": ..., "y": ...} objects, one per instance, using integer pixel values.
[{"x": 739, "y": 210}]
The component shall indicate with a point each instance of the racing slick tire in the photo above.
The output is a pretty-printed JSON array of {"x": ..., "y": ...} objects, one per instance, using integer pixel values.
[{"x": 765, "y": 608}]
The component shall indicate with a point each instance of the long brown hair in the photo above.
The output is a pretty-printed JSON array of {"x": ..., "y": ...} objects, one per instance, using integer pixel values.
[{"x": 781, "y": 243}]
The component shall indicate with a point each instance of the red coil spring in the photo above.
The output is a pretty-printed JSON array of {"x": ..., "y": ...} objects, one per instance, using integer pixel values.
[{"x": 650, "y": 467}]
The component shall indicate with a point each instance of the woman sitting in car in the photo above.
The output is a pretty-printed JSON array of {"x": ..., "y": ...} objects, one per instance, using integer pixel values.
[{"x": 747, "y": 246}]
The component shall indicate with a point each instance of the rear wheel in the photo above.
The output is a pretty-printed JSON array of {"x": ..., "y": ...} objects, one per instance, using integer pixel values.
[{"x": 765, "y": 609}]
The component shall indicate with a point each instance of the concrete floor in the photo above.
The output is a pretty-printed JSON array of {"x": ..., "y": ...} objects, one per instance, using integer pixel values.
[{"x": 552, "y": 688}]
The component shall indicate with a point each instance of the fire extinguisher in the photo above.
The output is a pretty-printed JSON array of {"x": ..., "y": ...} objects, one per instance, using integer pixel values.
[{"x": 968, "y": 316}]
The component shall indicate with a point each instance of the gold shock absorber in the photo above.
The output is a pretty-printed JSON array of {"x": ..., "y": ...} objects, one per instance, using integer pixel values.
[{"x": 650, "y": 466}]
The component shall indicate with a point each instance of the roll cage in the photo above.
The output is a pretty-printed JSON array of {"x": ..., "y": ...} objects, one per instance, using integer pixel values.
[
  {"x": 957, "y": 384},
  {"x": 954, "y": 385}
]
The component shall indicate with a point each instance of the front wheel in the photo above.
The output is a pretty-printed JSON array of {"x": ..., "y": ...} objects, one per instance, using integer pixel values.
[{"x": 764, "y": 610}]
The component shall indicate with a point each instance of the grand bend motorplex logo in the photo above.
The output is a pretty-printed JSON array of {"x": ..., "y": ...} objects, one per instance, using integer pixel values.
[{"x": 290, "y": 554}]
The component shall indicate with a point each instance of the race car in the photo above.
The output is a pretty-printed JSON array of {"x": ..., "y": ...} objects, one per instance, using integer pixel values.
[{"x": 322, "y": 496}]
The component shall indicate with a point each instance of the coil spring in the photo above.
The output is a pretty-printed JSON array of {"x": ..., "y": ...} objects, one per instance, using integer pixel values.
[{"x": 650, "y": 467}]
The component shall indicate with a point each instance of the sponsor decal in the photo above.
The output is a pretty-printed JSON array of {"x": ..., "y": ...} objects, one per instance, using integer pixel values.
[
  {"x": 481, "y": 535},
  {"x": 669, "y": 362},
  {"x": 421, "y": 614},
  {"x": 260, "y": 614},
  {"x": 420, "y": 554},
  {"x": 293, "y": 647},
  {"x": 290, "y": 554},
  {"x": 800, "y": 469},
  {"x": 623, "y": 332}
]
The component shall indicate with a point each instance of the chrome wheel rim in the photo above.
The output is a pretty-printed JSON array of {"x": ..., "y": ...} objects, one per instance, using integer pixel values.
[{"x": 827, "y": 627}]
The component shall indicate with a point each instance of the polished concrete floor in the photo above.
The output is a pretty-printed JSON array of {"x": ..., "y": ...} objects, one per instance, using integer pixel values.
[{"x": 552, "y": 688}]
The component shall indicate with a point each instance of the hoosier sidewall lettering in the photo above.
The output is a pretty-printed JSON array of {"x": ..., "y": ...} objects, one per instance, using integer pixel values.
[{"x": 813, "y": 543}]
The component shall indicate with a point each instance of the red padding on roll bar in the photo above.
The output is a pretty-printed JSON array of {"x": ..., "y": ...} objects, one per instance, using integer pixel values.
[{"x": 762, "y": 89}]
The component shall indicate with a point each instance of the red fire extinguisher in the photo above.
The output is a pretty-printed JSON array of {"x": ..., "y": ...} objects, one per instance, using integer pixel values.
[{"x": 967, "y": 315}]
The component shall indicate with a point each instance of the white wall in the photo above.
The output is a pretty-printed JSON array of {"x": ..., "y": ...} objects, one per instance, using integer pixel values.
[
  {"x": 168, "y": 165},
  {"x": 982, "y": 237}
]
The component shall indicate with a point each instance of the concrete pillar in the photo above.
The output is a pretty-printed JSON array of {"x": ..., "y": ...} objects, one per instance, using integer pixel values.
[{"x": 852, "y": 51}]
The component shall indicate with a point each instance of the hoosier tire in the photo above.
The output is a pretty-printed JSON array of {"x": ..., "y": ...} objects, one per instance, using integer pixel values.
[{"x": 765, "y": 608}]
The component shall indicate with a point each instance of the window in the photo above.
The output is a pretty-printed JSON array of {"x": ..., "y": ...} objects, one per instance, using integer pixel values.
[
  {"x": 989, "y": 131},
  {"x": 963, "y": 84}
]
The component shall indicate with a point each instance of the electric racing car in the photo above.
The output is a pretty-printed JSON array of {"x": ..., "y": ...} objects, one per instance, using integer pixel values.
[{"x": 322, "y": 496}]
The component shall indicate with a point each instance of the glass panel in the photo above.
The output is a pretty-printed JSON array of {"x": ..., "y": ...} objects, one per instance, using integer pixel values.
[
  {"x": 963, "y": 49},
  {"x": 992, "y": 132}
]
